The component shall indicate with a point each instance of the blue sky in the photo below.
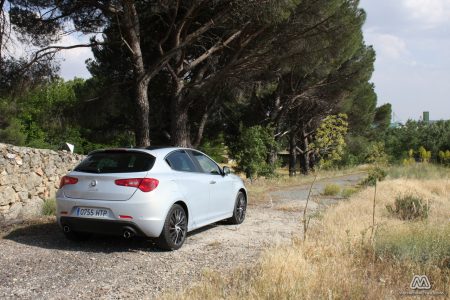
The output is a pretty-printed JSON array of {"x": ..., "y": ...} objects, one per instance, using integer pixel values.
[{"x": 412, "y": 41}]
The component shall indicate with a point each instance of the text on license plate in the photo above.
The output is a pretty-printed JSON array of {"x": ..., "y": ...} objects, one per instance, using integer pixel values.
[{"x": 92, "y": 212}]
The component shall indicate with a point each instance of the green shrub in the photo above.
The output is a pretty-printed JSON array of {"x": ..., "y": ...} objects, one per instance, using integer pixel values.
[
  {"x": 216, "y": 149},
  {"x": 49, "y": 207},
  {"x": 250, "y": 151},
  {"x": 375, "y": 174},
  {"x": 409, "y": 207},
  {"x": 331, "y": 190},
  {"x": 416, "y": 242},
  {"x": 348, "y": 192}
]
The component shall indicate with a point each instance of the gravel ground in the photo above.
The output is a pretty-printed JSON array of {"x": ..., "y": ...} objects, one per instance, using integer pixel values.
[{"x": 37, "y": 262}]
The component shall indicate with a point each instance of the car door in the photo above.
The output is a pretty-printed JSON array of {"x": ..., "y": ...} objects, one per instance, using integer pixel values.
[
  {"x": 220, "y": 187},
  {"x": 193, "y": 186}
]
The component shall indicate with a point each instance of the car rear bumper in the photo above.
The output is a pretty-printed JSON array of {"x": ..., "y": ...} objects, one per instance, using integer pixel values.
[
  {"x": 145, "y": 216},
  {"x": 110, "y": 227}
]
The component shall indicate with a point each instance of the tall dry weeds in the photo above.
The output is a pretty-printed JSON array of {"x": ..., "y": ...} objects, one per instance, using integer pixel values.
[{"x": 336, "y": 261}]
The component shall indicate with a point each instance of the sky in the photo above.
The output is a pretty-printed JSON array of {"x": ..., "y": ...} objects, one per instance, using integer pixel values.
[{"x": 412, "y": 42}]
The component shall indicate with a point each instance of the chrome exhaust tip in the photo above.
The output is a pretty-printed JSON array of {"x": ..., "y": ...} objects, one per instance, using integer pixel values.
[{"x": 128, "y": 233}]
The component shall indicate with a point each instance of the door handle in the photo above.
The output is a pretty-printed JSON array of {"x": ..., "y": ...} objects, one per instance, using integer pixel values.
[{"x": 212, "y": 182}]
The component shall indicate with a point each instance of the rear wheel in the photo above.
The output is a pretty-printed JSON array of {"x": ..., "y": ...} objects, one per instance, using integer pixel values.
[
  {"x": 174, "y": 231},
  {"x": 240, "y": 209}
]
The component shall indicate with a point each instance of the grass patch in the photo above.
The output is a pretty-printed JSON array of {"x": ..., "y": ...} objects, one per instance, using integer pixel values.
[
  {"x": 348, "y": 192},
  {"x": 419, "y": 243},
  {"x": 422, "y": 171},
  {"x": 331, "y": 190},
  {"x": 49, "y": 207}
]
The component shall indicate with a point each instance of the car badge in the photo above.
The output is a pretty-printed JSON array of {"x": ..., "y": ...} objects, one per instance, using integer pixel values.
[{"x": 93, "y": 183}]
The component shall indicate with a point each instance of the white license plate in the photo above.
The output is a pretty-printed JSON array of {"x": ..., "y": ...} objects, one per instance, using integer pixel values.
[{"x": 88, "y": 212}]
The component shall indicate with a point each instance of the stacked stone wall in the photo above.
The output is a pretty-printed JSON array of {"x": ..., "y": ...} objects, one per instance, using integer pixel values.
[{"x": 28, "y": 177}]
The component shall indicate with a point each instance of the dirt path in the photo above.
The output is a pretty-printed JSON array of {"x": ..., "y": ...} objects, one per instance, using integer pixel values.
[{"x": 36, "y": 261}]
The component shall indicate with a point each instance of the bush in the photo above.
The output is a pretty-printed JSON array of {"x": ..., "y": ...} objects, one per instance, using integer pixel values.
[
  {"x": 49, "y": 207},
  {"x": 375, "y": 174},
  {"x": 409, "y": 207},
  {"x": 216, "y": 149},
  {"x": 331, "y": 190},
  {"x": 250, "y": 151},
  {"x": 415, "y": 242}
]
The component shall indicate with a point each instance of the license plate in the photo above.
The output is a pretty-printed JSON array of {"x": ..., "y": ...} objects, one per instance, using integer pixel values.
[{"x": 88, "y": 212}]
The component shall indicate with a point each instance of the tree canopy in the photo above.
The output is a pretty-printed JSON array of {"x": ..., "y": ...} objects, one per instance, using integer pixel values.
[{"x": 193, "y": 73}]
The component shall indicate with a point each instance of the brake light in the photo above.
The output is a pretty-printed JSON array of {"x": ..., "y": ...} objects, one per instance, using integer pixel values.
[
  {"x": 144, "y": 184},
  {"x": 65, "y": 180}
]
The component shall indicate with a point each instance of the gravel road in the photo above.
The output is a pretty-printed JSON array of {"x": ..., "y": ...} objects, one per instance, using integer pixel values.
[{"x": 37, "y": 262}]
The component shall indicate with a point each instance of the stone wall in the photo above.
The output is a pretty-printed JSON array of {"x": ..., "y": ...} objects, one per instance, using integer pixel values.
[{"x": 28, "y": 177}]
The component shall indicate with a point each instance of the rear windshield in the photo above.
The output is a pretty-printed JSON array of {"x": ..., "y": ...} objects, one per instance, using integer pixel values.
[{"x": 116, "y": 162}]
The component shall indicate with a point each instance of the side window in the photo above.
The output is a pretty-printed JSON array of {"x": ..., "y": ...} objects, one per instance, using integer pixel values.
[
  {"x": 180, "y": 161},
  {"x": 207, "y": 164}
]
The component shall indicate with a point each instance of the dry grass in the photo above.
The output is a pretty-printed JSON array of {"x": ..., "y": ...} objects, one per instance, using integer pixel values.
[
  {"x": 290, "y": 207},
  {"x": 339, "y": 260}
]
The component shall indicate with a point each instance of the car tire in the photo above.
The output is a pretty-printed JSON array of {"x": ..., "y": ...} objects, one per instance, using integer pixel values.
[
  {"x": 174, "y": 231},
  {"x": 77, "y": 236},
  {"x": 240, "y": 209}
]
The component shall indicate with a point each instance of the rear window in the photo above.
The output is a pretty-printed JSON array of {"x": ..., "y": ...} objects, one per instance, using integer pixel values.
[{"x": 116, "y": 162}]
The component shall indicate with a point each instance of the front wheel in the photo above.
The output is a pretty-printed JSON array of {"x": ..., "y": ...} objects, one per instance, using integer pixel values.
[
  {"x": 174, "y": 231},
  {"x": 240, "y": 208}
]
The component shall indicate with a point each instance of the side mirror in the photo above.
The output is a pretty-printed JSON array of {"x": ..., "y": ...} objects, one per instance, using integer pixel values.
[{"x": 226, "y": 170}]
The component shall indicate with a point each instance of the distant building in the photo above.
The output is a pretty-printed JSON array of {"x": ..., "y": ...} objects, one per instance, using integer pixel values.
[{"x": 426, "y": 118}]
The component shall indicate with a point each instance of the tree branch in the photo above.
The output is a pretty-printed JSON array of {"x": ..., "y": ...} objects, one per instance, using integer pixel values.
[{"x": 217, "y": 47}]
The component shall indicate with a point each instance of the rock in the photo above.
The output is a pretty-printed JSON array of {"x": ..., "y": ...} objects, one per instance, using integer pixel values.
[
  {"x": 23, "y": 196},
  {"x": 32, "y": 208},
  {"x": 39, "y": 171},
  {"x": 13, "y": 212},
  {"x": 33, "y": 181},
  {"x": 10, "y": 156},
  {"x": 19, "y": 161},
  {"x": 7, "y": 196}
]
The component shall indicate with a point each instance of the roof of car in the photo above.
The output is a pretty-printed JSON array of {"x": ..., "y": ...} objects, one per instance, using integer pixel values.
[{"x": 154, "y": 150}]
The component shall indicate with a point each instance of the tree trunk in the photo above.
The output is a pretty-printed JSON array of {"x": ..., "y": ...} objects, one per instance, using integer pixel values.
[
  {"x": 304, "y": 160},
  {"x": 132, "y": 33},
  {"x": 273, "y": 156},
  {"x": 201, "y": 129},
  {"x": 292, "y": 155},
  {"x": 312, "y": 161},
  {"x": 180, "y": 135},
  {"x": 142, "y": 129}
]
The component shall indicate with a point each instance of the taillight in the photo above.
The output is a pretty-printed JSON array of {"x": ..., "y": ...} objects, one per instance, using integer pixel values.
[
  {"x": 144, "y": 184},
  {"x": 67, "y": 180}
]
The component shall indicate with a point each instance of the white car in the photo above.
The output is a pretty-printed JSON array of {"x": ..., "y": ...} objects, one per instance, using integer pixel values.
[{"x": 153, "y": 192}]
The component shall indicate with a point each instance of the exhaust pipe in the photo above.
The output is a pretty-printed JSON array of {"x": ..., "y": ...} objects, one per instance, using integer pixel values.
[
  {"x": 66, "y": 229},
  {"x": 128, "y": 232}
]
